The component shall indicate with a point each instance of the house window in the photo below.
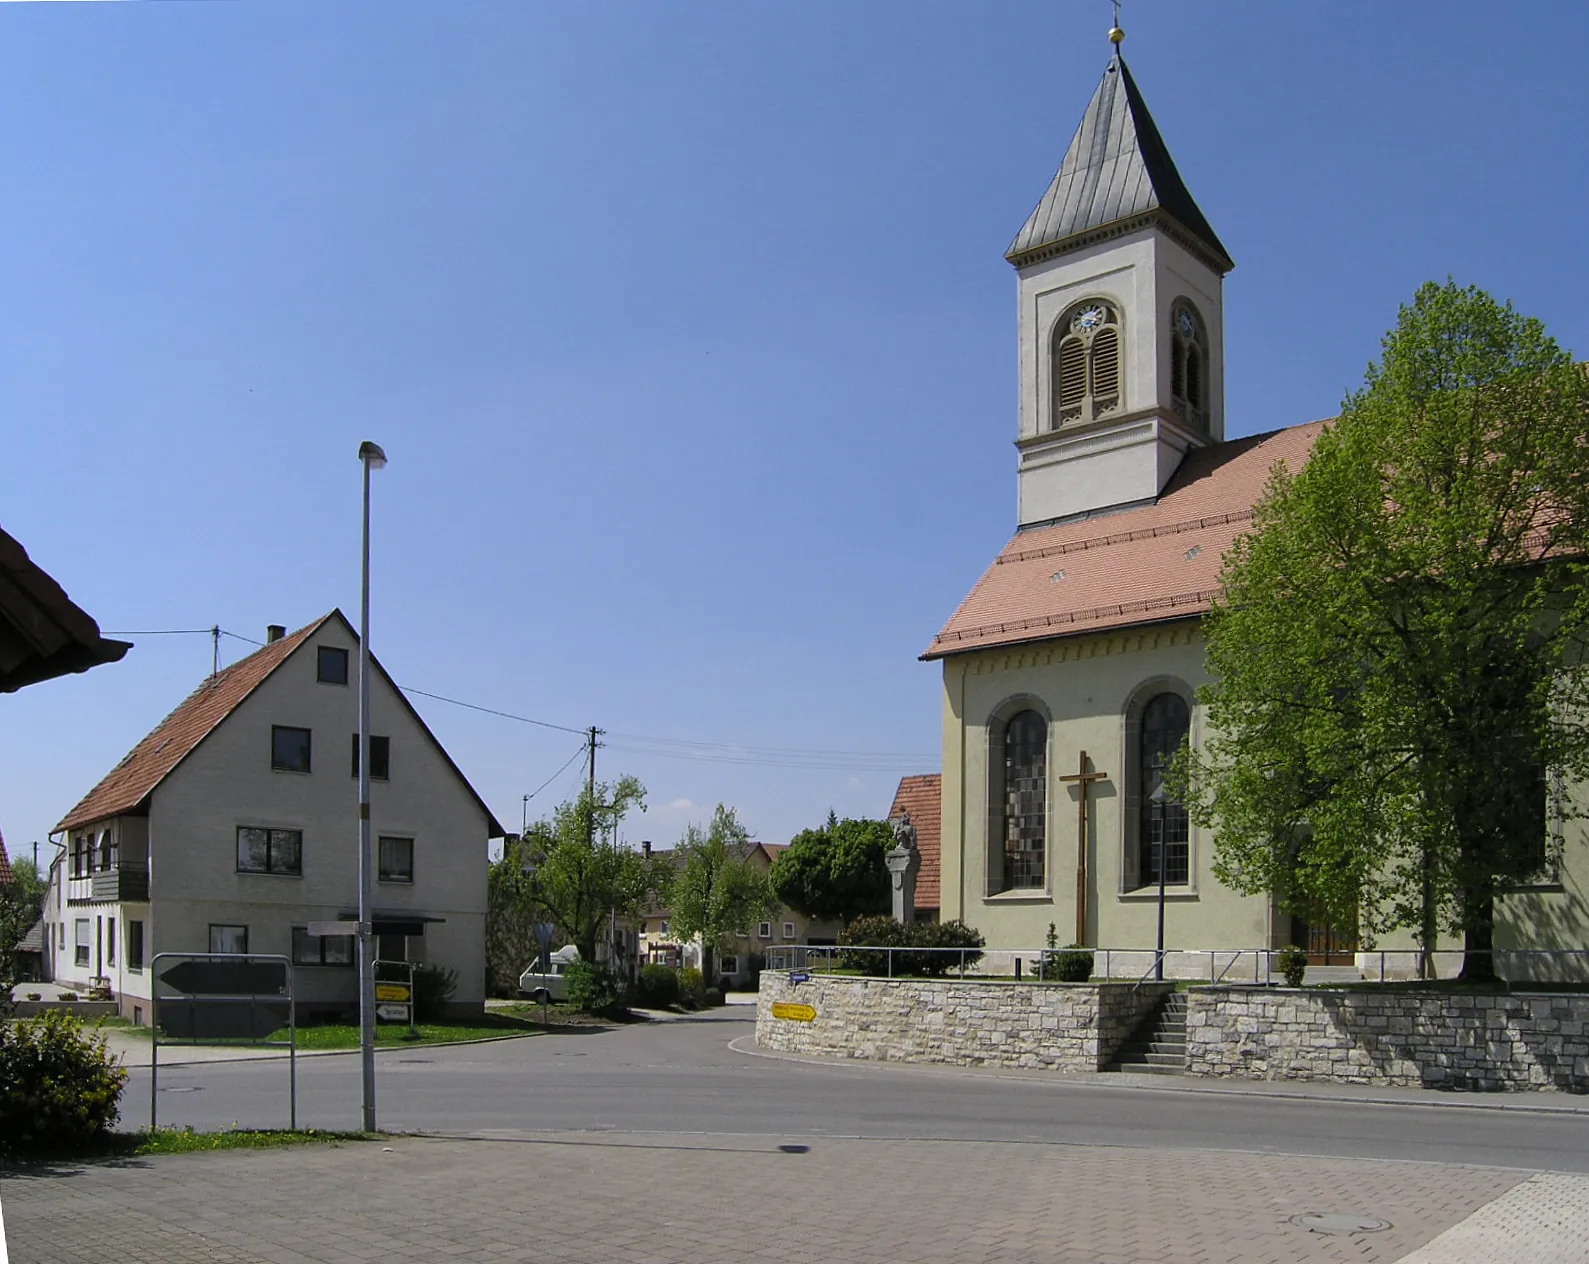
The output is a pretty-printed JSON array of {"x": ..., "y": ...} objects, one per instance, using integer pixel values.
[
  {"x": 331, "y": 666},
  {"x": 396, "y": 859},
  {"x": 788, "y": 930},
  {"x": 135, "y": 945},
  {"x": 228, "y": 938},
  {"x": 81, "y": 930},
  {"x": 1086, "y": 363},
  {"x": 1025, "y": 800},
  {"x": 289, "y": 748},
  {"x": 764, "y": 930},
  {"x": 81, "y": 848},
  {"x": 107, "y": 851},
  {"x": 110, "y": 941},
  {"x": 1189, "y": 364},
  {"x": 380, "y": 757},
  {"x": 1164, "y": 828},
  {"x": 278, "y": 851},
  {"x": 728, "y": 965},
  {"x": 664, "y": 926},
  {"x": 317, "y": 950}
]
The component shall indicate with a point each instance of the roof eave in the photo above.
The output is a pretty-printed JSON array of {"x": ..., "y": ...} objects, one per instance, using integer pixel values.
[{"x": 1211, "y": 253}]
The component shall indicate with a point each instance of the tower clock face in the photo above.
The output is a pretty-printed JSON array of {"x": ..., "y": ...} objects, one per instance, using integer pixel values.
[
  {"x": 1184, "y": 323},
  {"x": 1089, "y": 317}
]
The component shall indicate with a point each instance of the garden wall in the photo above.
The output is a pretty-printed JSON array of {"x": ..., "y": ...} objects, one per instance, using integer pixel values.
[
  {"x": 1060, "y": 1026},
  {"x": 1441, "y": 1040}
]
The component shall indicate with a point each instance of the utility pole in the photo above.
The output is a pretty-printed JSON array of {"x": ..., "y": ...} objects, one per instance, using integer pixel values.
[
  {"x": 590, "y": 786},
  {"x": 215, "y": 650}
]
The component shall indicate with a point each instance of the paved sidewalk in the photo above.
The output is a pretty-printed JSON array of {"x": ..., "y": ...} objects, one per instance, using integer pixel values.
[
  {"x": 629, "y": 1198},
  {"x": 1545, "y": 1220}
]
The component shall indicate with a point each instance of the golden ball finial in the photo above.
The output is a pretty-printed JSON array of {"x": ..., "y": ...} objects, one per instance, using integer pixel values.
[{"x": 1116, "y": 35}]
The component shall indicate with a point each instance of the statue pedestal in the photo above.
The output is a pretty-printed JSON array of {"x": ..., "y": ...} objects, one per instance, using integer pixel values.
[{"x": 903, "y": 865}]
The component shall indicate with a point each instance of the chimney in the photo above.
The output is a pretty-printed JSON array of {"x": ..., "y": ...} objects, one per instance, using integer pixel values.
[
  {"x": 274, "y": 633},
  {"x": 645, "y": 846}
]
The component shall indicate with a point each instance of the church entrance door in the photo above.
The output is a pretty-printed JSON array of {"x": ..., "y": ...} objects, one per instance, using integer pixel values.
[{"x": 1325, "y": 945}]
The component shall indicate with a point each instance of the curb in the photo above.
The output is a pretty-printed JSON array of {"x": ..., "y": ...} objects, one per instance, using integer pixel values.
[
  {"x": 336, "y": 1053},
  {"x": 746, "y": 1045}
]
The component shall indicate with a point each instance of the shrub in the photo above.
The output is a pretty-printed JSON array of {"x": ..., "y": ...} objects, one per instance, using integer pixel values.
[
  {"x": 594, "y": 988},
  {"x": 1072, "y": 964},
  {"x": 692, "y": 988},
  {"x": 1294, "y": 965},
  {"x": 433, "y": 990},
  {"x": 885, "y": 932},
  {"x": 713, "y": 998},
  {"x": 60, "y": 1087},
  {"x": 658, "y": 986}
]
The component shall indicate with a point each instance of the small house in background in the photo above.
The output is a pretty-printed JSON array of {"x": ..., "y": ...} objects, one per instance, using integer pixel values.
[
  {"x": 921, "y": 796},
  {"x": 785, "y": 928},
  {"x": 233, "y": 825}
]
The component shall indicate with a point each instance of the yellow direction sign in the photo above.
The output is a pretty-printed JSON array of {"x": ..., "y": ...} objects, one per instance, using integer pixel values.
[
  {"x": 391, "y": 992},
  {"x": 793, "y": 1012}
]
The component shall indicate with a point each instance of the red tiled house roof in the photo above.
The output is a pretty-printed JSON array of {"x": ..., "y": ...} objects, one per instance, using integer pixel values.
[
  {"x": 1145, "y": 565},
  {"x": 921, "y": 796},
  {"x": 6, "y": 876},
  {"x": 130, "y": 783}
]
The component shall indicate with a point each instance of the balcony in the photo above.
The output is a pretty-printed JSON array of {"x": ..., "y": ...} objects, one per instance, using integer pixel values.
[{"x": 121, "y": 883}]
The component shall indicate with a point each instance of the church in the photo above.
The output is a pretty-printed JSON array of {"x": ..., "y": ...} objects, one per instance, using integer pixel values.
[{"x": 1071, "y": 670}]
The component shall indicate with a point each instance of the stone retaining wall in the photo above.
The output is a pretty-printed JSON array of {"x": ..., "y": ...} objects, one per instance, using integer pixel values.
[
  {"x": 1059, "y": 1026},
  {"x": 1447, "y": 1041}
]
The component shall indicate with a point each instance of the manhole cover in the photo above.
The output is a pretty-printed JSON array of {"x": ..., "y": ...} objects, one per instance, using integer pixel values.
[
  {"x": 1333, "y": 1222},
  {"x": 795, "y": 1149}
]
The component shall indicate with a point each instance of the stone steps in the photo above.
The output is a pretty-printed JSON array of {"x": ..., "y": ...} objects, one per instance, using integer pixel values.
[{"x": 1158, "y": 1045}]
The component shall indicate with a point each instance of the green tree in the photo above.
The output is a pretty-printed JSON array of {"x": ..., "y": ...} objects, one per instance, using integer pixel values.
[
  {"x": 1398, "y": 654},
  {"x": 20, "y": 902},
  {"x": 836, "y": 873},
  {"x": 580, "y": 878},
  {"x": 717, "y": 892}
]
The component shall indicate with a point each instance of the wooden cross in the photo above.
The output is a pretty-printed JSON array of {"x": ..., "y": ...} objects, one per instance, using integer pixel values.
[{"x": 1083, "y": 779}]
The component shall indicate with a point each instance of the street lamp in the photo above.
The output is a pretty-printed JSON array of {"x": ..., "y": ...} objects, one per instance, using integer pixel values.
[
  {"x": 1156, "y": 807},
  {"x": 372, "y": 458}
]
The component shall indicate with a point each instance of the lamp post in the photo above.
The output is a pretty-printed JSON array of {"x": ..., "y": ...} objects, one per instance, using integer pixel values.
[
  {"x": 1156, "y": 806},
  {"x": 373, "y": 458}
]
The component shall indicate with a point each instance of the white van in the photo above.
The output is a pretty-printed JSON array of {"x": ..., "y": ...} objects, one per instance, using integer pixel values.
[{"x": 549, "y": 984}]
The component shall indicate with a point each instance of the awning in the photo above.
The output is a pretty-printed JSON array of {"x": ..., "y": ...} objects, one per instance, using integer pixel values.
[{"x": 395, "y": 921}]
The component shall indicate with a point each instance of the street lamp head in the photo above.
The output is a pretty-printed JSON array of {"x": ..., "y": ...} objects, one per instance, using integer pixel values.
[{"x": 371, "y": 455}]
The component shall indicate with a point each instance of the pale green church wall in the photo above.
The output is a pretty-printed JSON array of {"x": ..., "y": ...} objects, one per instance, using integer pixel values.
[{"x": 1087, "y": 687}]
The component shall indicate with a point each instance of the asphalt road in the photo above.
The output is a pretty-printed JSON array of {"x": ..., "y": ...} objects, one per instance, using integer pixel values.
[{"x": 682, "y": 1076}]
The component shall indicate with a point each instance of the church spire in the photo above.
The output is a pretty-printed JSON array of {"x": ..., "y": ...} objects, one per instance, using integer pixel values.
[{"x": 1117, "y": 169}]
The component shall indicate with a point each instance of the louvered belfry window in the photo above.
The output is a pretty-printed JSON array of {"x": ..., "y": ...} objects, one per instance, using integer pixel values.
[
  {"x": 1087, "y": 369},
  {"x": 1189, "y": 364}
]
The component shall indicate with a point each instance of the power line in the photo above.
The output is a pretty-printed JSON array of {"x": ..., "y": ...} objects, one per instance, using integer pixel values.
[
  {"x": 578, "y": 751},
  {"x": 506, "y": 715}
]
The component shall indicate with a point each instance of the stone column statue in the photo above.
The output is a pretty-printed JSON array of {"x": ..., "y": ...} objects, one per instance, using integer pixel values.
[{"x": 904, "y": 862}]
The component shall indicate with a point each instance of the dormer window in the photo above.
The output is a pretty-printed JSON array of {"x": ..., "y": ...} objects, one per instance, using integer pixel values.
[
  {"x": 1189, "y": 365},
  {"x": 1086, "y": 362}
]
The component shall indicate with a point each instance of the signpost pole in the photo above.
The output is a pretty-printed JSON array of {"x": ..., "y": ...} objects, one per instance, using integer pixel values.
[
  {"x": 292, "y": 1054},
  {"x": 154, "y": 1048}
]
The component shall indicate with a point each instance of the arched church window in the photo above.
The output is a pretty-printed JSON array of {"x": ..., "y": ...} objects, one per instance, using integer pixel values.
[
  {"x": 1165, "y": 830},
  {"x": 1025, "y": 799},
  {"x": 1086, "y": 361},
  {"x": 1189, "y": 364}
]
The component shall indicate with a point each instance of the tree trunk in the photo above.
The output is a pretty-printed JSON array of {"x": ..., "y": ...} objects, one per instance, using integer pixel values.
[
  {"x": 708, "y": 957},
  {"x": 1429, "y": 924},
  {"x": 1478, "y": 938}
]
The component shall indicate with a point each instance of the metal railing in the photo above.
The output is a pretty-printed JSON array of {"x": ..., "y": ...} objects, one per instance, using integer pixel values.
[{"x": 1210, "y": 965}]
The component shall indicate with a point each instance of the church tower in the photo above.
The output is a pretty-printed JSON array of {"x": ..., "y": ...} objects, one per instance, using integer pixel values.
[{"x": 1121, "y": 321}]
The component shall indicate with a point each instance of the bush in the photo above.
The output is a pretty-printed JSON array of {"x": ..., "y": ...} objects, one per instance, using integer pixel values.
[
  {"x": 595, "y": 989},
  {"x": 60, "y": 1088},
  {"x": 713, "y": 998},
  {"x": 658, "y": 987},
  {"x": 1294, "y": 965},
  {"x": 692, "y": 988},
  {"x": 433, "y": 989},
  {"x": 1071, "y": 964},
  {"x": 885, "y": 932}
]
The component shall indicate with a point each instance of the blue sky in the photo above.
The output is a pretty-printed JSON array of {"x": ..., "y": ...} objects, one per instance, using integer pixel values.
[{"x": 686, "y": 327}]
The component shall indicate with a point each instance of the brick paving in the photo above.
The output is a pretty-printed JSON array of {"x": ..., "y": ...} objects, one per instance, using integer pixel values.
[{"x": 623, "y": 1198}]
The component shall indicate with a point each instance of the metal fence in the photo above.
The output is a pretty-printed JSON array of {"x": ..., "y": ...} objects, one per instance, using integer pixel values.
[{"x": 1209, "y": 965}]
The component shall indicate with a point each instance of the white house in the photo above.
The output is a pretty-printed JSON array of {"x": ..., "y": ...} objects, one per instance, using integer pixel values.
[{"x": 234, "y": 824}]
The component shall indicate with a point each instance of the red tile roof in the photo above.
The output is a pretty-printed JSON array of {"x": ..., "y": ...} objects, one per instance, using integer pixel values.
[
  {"x": 1144, "y": 565},
  {"x": 921, "y": 796},
  {"x": 6, "y": 876},
  {"x": 130, "y": 782}
]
